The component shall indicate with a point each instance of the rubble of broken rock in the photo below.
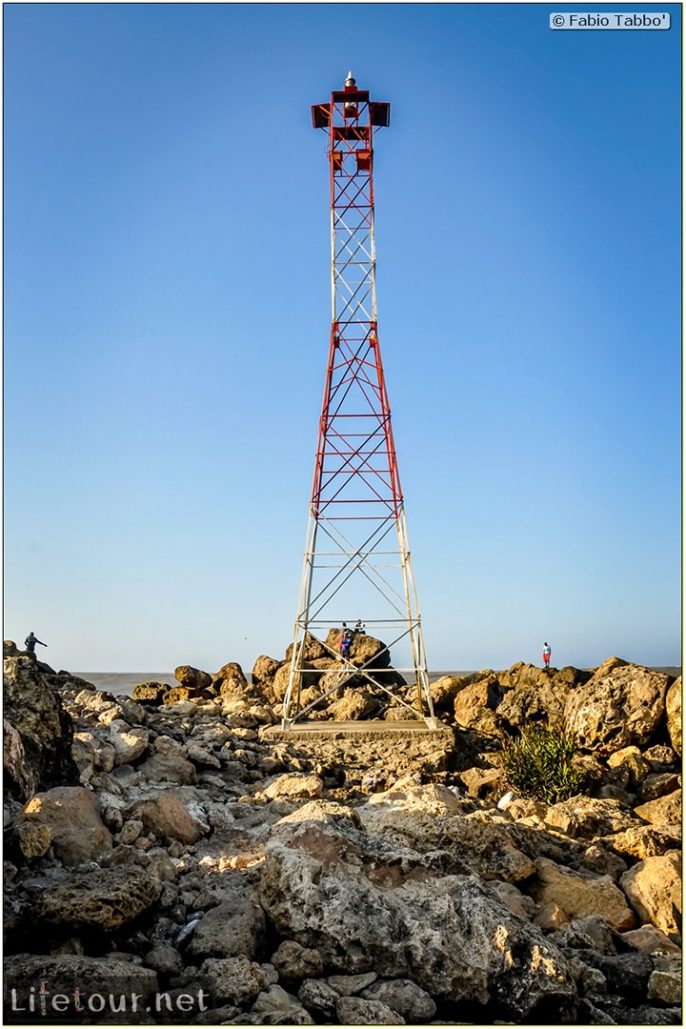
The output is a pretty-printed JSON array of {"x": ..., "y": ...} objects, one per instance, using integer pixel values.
[{"x": 163, "y": 844}]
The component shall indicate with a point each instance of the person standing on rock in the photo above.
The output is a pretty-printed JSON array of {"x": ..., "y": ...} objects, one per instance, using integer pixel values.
[
  {"x": 30, "y": 643},
  {"x": 546, "y": 655}
]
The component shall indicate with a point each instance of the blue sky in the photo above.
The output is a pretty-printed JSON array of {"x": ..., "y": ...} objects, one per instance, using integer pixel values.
[{"x": 167, "y": 306}]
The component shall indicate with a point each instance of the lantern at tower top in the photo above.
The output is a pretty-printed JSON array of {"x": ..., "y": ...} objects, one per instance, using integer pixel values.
[{"x": 351, "y": 107}]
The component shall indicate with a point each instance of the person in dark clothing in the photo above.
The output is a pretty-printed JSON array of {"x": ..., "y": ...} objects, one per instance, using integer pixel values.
[{"x": 31, "y": 641}]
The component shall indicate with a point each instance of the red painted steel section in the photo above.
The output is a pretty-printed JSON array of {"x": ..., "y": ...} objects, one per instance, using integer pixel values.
[{"x": 356, "y": 461}]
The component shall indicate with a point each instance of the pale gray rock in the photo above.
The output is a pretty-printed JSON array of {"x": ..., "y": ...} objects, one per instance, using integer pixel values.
[
  {"x": 233, "y": 928},
  {"x": 358, "y": 1011},
  {"x": 404, "y": 997},
  {"x": 617, "y": 707},
  {"x": 366, "y": 906}
]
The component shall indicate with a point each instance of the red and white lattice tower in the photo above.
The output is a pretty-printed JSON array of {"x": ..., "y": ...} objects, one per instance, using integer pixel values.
[{"x": 357, "y": 559}]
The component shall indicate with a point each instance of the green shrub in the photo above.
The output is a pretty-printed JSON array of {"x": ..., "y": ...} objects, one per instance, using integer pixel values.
[{"x": 539, "y": 764}]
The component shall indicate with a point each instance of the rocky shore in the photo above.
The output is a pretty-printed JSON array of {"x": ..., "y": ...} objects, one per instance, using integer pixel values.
[{"x": 165, "y": 848}]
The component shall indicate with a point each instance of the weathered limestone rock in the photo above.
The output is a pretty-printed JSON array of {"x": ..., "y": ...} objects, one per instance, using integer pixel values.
[
  {"x": 404, "y": 997},
  {"x": 235, "y": 928},
  {"x": 443, "y": 692},
  {"x": 36, "y": 714},
  {"x": 355, "y": 704},
  {"x": 580, "y": 894},
  {"x": 280, "y": 681},
  {"x": 482, "y": 782},
  {"x": 476, "y": 704},
  {"x": 34, "y": 840},
  {"x": 102, "y": 976},
  {"x": 103, "y": 900},
  {"x": 313, "y": 648},
  {"x": 191, "y": 678},
  {"x": 164, "y": 959},
  {"x": 632, "y": 761},
  {"x": 673, "y": 708},
  {"x": 236, "y": 980},
  {"x": 665, "y": 987},
  {"x": 168, "y": 768},
  {"x": 586, "y": 817},
  {"x": 532, "y": 695},
  {"x": 366, "y": 906},
  {"x": 276, "y": 1007},
  {"x": 19, "y": 776},
  {"x": 357, "y": 1011},
  {"x": 654, "y": 888},
  {"x": 72, "y": 815},
  {"x": 663, "y": 811},
  {"x": 294, "y": 787},
  {"x": 319, "y": 997},
  {"x": 649, "y": 940},
  {"x": 264, "y": 670},
  {"x": 150, "y": 692},
  {"x": 614, "y": 709},
  {"x": 165, "y": 814},
  {"x": 644, "y": 841},
  {"x": 129, "y": 743},
  {"x": 295, "y": 963},
  {"x": 658, "y": 784}
]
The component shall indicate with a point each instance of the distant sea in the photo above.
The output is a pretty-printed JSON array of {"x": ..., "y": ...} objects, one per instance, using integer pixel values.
[{"x": 123, "y": 682}]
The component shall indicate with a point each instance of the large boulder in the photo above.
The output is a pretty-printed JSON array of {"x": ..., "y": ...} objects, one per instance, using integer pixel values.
[
  {"x": 102, "y": 977},
  {"x": 165, "y": 814},
  {"x": 367, "y": 906},
  {"x": 581, "y": 895},
  {"x": 476, "y": 705},
  {"x": 35, "y": 712},
  {"x": 71, "y": 812},
  {"x": 586, "y": 817},
  {"x": 231, "y": 682},
  {"x": 150, "y": 692},
  {"x": 533, "y": 694},
  {"x": 264, "y": 670},
  {"x": 673, "y": 707},
  {"x": 661, "y": 811},
  {"x": 654, "y": 888},
  {"x": 312, "y": 649},
  {"x": 616, "y": 708},
  {"x": 192, "y": 678},
  {"x": 103, "y": 900}
]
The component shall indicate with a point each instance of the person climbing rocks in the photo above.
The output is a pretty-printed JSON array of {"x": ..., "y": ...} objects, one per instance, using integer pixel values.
[
  {"x": 360, "y": 627},
  {"x": 345, "y": 641},
  {"x": 30, "y": 643},
  {"x": 546, "y": 655}
]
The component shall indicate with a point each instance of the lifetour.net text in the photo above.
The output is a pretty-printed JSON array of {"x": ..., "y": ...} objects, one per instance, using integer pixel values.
[{"x": 41, "y": 1002}]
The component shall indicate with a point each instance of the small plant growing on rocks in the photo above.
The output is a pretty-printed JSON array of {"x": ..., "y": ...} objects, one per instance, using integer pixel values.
[{"x": 539, "y": 764}]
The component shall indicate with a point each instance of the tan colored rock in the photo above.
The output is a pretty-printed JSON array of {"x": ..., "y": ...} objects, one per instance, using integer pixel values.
[
  {"x": 653, "y": 887},
  {"x": 294, "y": 787},
  {"x": 314, "y": 648},
  {"x": 34, "y": 840},
  {"x": 586, "y": 817},
  {"x": 665, "y": 987},
  {"x": 642, "y": 841},
  {"x": 673, "y": 708},
  {"x": 633, "y": 761},
  {"x": 476, "y": 704},
  {"x": 581, "y": 895},
  {"x": 150, "y": 692},
  {"x": 482, "y": 782},
  {"x": 129, "y": 743},
  {"x": 71, "y": 813},
  {"x": 444, "y": 690},
  {"x": 663, "y": 811},
  {"x": 192, "y": 678},
  {"x": 551, "y": 916},
  {"x": 165, "y": 814},
  {"x": 264, "y": 670},
  {"x": 279, "y": 684},
  {"x": 355, "y": 704},
  {"x": 617, "y": 708},
  {"x": 104, "y": 900},
  {"x": 513, "y": 898},
  {"x": 649, "y": 940}
]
